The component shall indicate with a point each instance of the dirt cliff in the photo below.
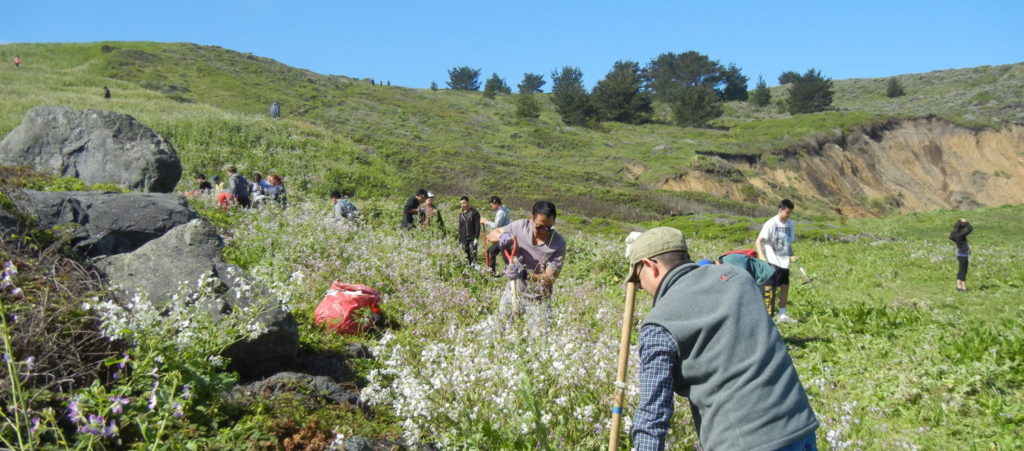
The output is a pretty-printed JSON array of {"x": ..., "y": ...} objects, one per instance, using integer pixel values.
[{"x": 905, "y": 166}]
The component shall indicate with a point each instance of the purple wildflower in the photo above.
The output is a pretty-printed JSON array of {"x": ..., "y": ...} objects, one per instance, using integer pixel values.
[
  {"x": 30, "y": 362},
  {"x": 110, "y": 429},
  {"x": 17, "y": 293},
  {"x": 35, "y": 425},
  {"x": 118, "y": 401},
  {"x": 152, "y": 402},
  {"x": 5, "y": 357},
  {"x": 73, "y": 412},
  {"x": 93, "y": 426},
  {"x": 186, "y": 392},
  {"x": 177, "y": 411}
]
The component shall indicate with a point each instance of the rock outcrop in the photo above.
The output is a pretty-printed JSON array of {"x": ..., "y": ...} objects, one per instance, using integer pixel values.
[
  {"x": 111, "y": 223},
  {"x": 183, "y": 255},
  {"x": 95, "y": 146}
]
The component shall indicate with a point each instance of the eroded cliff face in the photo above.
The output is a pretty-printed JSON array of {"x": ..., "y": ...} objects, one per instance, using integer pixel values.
[{"x": 912, "y": 165}]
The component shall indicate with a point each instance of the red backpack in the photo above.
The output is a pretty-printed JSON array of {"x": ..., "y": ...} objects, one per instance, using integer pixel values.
[{"x": 349, "y": 309}]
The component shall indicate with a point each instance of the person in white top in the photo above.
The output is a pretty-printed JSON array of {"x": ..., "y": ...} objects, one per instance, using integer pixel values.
[{"x": 775, "y": 245}]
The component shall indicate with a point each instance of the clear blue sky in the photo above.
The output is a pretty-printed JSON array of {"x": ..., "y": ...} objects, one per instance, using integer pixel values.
[{"x": 412, "y": 43}]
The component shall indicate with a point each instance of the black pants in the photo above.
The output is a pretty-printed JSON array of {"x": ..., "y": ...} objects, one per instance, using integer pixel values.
[
  {"x": 470, "y": 249},
  {"x": 492, "y": 255},
  {"x": 961, "y": 273}
]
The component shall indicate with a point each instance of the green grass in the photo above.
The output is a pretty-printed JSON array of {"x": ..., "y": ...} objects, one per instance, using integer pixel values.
[{"x": 341, "y": 132}]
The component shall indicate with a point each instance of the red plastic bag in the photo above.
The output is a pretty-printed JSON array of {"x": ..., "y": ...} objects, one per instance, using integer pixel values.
[
  {"x": 748, "y": 252},
  {"x": 349, "y": 309}
]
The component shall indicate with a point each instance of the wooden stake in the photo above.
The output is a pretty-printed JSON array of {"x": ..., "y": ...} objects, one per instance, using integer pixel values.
[{"x": 620, "y": 377}]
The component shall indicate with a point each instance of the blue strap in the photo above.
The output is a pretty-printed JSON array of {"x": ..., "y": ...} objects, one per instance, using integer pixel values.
[{"x": 617, "y": 410}]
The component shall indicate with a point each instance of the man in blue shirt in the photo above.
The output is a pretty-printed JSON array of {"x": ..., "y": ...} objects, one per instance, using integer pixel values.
[{"x": 707, "y": 338}]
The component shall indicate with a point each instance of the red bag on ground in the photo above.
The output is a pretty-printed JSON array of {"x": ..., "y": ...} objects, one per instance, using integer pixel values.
[
  {"x": 349, "y": 309},
  {"x": 748, "y": 252}
]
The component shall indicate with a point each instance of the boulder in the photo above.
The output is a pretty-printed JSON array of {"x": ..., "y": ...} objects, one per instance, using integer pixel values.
[
  {"x": 112, "y": 223},
  {"x": 181, "y": 256},
  {"x": 95, "y": 146},
  {"x": 316, "y": 390}
]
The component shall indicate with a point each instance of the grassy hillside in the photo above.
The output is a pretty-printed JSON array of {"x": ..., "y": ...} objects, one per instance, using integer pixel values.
[{"x": 452, "y": 142}]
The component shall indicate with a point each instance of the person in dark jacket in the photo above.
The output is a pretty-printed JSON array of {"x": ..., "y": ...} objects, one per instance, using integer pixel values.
[
  {"x": 707, "y": 338},
  {"x": 961, "y": 229},
  {"x": 469, "y": 229},
  {"x": 412, "y": 208}
]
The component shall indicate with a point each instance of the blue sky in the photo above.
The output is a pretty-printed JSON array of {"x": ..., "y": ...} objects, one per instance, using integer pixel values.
[{"x": 412, "y": 43}]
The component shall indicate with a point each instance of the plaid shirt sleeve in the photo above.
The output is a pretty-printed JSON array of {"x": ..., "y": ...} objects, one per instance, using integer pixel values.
[{"x": 658, "y": 355}]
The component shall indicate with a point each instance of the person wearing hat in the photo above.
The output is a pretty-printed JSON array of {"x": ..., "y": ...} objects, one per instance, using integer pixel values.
[
  {"x": 707, "y": 338},
  {"x": 412, "y": 208},
  {"x": 430, "y": 216}
]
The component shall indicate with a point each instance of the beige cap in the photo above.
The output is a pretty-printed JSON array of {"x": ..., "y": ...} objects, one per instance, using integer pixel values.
[{"x": 651, "y": 243}]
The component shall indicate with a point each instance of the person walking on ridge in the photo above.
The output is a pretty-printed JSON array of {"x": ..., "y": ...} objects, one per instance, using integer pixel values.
[
  {"x": 17, "y": 61},
  {"x": 469, "y": 229},
  {"x": 707, "y": 338},
  {"x": 775, "y": 245},
  {"x": 961, "y": 229}
]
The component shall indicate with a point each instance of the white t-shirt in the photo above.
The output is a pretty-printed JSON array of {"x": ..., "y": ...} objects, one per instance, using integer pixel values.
[{"x": 778, "y": 241}]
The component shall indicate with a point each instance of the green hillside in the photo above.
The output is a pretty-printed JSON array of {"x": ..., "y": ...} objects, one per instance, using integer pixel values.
[{"x": 212, "y": 102}]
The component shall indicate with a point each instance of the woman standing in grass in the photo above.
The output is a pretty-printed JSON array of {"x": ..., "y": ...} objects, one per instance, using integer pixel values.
[{"x": 961, "y": 229}]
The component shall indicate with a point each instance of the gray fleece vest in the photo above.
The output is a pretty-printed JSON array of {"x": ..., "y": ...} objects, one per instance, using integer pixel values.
[{"x": 733, "y": 367}]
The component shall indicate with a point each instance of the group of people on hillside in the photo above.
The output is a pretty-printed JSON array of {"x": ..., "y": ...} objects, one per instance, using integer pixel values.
[{"x": 240, "y": 191}]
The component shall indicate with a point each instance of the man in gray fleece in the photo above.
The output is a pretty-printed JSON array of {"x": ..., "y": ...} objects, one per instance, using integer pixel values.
[{"x": 708, "y": 339}]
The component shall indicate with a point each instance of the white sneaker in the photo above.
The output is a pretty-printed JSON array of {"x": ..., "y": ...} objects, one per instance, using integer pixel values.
[{"x": 786, "y": 319}]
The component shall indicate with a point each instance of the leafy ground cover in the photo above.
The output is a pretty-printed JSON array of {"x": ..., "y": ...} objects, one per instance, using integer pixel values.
[
  {"x": 890, "y": 353},
  {"x": 212, "y": 102}
]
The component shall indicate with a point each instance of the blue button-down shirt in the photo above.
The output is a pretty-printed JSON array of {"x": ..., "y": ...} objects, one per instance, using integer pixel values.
[{"x": 659, "y": 354}]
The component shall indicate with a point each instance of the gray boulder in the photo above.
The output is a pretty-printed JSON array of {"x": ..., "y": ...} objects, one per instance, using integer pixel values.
[
  {"x": 111, "y": 223},
  {"x": 95, "y": 146},
  {"x": 181, "y": 256},
  {"x": 318, "y": 390}
]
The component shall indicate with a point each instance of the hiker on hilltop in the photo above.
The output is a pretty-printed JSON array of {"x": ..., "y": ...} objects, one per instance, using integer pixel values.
[
  {"x": 707, "y": 338},
  {"x": 961, "y": 229},
  {"x": 106, "y": 92},
  {"x": 343, "y": 208},
  {"x": 412, "y": 208},
  {"x": 536, "y": 253},
  {"x": 469, "y": 229},
  {"x": 17, "y": 61},
  {"x": 275, "y": 110},
  {"x": 775, "y": 245},
  {"x": 430, "y": 216},
  {"x": 501, "y": 219}
]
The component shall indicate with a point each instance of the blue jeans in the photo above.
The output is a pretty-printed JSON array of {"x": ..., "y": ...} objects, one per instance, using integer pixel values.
[{"x": 808, "y": 443}]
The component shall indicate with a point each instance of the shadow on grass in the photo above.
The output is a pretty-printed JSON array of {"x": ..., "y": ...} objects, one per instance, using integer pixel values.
[{"x": 801, "y": 342}]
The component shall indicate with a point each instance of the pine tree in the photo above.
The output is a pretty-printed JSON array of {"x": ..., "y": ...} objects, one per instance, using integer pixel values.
[
  {"x": 762, "y": 96},
  {"x": 894, "y": 89},
  {"x": 570, "y": 98},
  {"x": 788, "y": 77},
  {"x": 433, "y": 86},
  {"x": 695, "y": 106},
  {"x": 620, "y": 97},
  {"x": 735, "y": 84},
  {"x": 495, "y": 85},
  {"x": 810, "y": 93},
  {"x": 670, "y": 71},
  {"x": 464, "y": 78},
  {"x": 527, "y": 106},
  {"x": 531, "y": 83}
]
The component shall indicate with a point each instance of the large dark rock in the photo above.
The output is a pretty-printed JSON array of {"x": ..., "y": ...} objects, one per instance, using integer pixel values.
[
  {"x": 182, "y": 256},
  {"x": 112, "y": 223},
  {"x": 318, "y": 390},
  {"x": 95, "y": 146}
]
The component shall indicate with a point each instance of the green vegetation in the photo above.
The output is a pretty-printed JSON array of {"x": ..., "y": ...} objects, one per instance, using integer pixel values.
[
  {"x": 212, "y": 104},
  {"x": 810, "y": 93}
]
